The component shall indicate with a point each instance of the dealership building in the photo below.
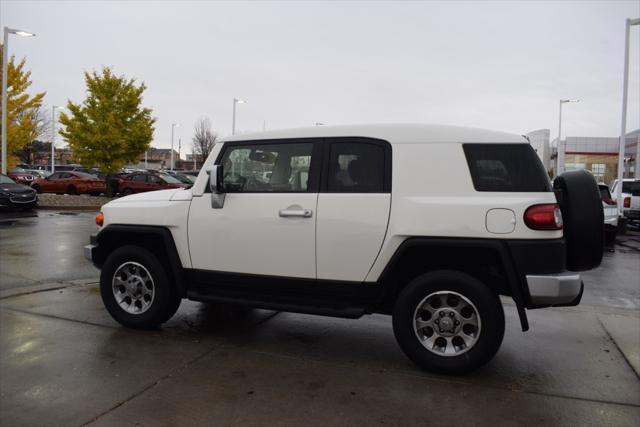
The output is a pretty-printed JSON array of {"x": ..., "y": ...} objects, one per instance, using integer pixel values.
[{"x": 599, "y": 155}]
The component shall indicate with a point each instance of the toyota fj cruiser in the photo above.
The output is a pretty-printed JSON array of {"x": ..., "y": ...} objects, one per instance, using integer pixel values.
[{"x": 428, "y": 224}]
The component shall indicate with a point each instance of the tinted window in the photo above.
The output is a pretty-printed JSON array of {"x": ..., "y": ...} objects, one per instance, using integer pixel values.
[
  {"x": 604, "y": 192},
  {"x": 506, "y": 167},
  {"x": 55, "y": 175},
  {"x": 632, "y": 187},
  {"x": 356, "y": 168},
  {"x": 267, "y": 167},
  {"x": 139, "y": 178},
  {"x": 82, "y": 175}
]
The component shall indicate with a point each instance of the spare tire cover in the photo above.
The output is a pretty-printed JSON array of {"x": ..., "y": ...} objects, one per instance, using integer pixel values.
[{"x": 579, "y": 198}]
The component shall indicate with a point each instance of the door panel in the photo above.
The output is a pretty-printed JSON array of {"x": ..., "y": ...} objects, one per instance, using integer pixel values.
[
  {"x": 267, "y": 224},
  {"x": 353, "y": 208},
  {"x": 248, "y": 235},
  {"x": 351, "y": 229}
]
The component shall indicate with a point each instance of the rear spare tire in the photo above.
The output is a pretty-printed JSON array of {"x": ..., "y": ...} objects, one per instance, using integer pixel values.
[{"x": 583, "y": 217}]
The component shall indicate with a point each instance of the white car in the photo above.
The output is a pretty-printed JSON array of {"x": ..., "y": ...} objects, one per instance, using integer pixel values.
[
  {"x": 630, "y": 197},
  {"x": 428, "y": 224}
]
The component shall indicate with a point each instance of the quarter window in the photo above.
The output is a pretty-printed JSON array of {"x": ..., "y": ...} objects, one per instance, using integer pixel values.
[
  {"x": 264, "y": 168},
  {"x": 356, "y": 168}
]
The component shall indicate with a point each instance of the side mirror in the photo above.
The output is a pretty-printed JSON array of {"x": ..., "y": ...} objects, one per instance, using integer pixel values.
[
  {"x": 216, "y": 180},
  {"x": 216, "y": 186}
]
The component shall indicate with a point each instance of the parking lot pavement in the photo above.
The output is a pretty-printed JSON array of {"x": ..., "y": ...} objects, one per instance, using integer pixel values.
[
  {"x": 44, "y": 246},
  {"x": 64, "y": 360}
]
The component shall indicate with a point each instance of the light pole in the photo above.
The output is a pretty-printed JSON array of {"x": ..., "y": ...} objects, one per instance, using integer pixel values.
[
  {"x": 173, "y": 126},
  {"x": 561, "y": 163},
  {"x": 53, "y": 136},
  {"x": 5, "y": 70},
  {"x": 233, "y": 123},
  {"x": 623, "y": 127}
]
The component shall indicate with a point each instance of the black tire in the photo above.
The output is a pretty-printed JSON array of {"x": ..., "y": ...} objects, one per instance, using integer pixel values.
[
  {"x": 37, "y": 188},
  {"x": 127, "y": 191},
  {"x": 583, "y": 217},
  {"x": 165, "y": 301},
  {"x": 71, "y": 190},
  {"x": 487, "y": 305}
]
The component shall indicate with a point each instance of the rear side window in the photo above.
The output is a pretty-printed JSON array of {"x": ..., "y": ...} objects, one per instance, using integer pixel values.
[
  {"x": 356, "y": 168},
  {"x": 506, "y": 168}
]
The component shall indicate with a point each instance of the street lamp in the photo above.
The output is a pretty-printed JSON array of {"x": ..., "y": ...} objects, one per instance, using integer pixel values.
[
  {"x": 233, "y": 123},
  {"x": 562, "y": 101},
  {"x": 5, "y": 70},
  {"x": 623, "y": 126},
  {"x": 173, "y": 126},
  {"x": 53, "y": 136}
]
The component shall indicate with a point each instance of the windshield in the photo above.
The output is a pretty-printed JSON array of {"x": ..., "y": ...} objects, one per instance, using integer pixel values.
[
  {"x": 632, "y": 187},
  {"x": 6, "y": 180},
  {"x": 170, "y": 179}
]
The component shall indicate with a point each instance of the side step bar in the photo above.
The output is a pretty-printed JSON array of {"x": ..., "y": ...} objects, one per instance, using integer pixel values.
[{"x": 346, "y": 312}]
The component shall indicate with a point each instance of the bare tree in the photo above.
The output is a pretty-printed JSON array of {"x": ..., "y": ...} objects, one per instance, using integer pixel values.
[{"x": 203, "y": 139}]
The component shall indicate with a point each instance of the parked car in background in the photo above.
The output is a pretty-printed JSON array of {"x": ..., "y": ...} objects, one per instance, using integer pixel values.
[
  {"x": 22, "y": 176},
  {"x": 14, "y": 195},
  {"x": 630, "y": 198},
  {"x": 70, "y": 182},
  {"x": 610, "y": 215},
  {"x": 142, "y": 182},
  {"x": 39, "y": 173}
]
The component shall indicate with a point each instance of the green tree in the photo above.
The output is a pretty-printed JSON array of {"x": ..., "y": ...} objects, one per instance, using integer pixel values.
[
  {"x": 110, "y": 128},
  {"x": 24, "y": 118}
]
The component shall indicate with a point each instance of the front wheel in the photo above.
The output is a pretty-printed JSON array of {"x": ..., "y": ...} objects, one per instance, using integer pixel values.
[
  {"x": 135, "y": 288},
  {"x": 448, "y": 322}
]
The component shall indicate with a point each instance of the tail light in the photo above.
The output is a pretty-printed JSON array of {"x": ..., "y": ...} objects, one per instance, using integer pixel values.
[
  {"x": 627, "y": 202},
  {"x": 99, "y": 219},
  {"x": 609, "y": 202},
  {"x": 543, "y": 217}
]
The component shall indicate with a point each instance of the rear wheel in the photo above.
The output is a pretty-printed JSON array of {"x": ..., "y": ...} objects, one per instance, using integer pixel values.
[
  {"x": 71, "y": 190},
  {"x": 448, "y": 322},
  {"x": 135, "y": 288},
  {"x": 127, "y": 191}
]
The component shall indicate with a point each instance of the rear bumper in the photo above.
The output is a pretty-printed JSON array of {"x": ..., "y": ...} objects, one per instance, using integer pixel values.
[
  {"x": 555, "y": 289},
  {"x": 632, "y": 214}
]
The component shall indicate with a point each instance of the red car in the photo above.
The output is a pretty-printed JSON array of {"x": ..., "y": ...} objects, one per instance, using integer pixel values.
[
  {"x": 70, "y": 182},
  {"x": 141, "y": 182},
  {"x": 22, "y": 177}
]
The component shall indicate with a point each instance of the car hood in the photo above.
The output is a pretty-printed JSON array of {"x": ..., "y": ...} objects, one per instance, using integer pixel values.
[
  {"x": 14, "y": 188},
  {"x": 172, "y": 194}
]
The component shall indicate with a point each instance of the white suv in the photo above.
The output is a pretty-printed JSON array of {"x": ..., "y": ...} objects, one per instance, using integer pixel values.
[{"x": 429, "y": 224}]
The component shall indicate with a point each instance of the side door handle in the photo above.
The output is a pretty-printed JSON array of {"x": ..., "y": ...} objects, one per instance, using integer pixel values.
[{"x": 295, "y": 211}]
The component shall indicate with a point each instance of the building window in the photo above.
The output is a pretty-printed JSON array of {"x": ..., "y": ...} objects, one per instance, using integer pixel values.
[{"x": 598, "y": 169}]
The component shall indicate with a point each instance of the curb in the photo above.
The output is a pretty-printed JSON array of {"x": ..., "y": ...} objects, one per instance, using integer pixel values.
[{"x": 44, "y": 287}]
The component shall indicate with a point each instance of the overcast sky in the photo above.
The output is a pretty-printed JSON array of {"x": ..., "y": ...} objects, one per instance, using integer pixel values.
[{"x": 497, "y": 65}]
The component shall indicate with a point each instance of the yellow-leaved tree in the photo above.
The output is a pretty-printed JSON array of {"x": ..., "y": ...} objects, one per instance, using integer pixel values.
[
  {"x": 25, "y": 121},
  {"x": 110, "y": 127}
]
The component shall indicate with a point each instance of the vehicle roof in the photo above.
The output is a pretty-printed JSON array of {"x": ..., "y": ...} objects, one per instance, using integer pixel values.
[{"x": 394, "y": 133}]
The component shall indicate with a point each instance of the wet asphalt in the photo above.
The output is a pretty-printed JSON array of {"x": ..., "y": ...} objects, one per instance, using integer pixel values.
[{"x": 64, "y": 361}]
